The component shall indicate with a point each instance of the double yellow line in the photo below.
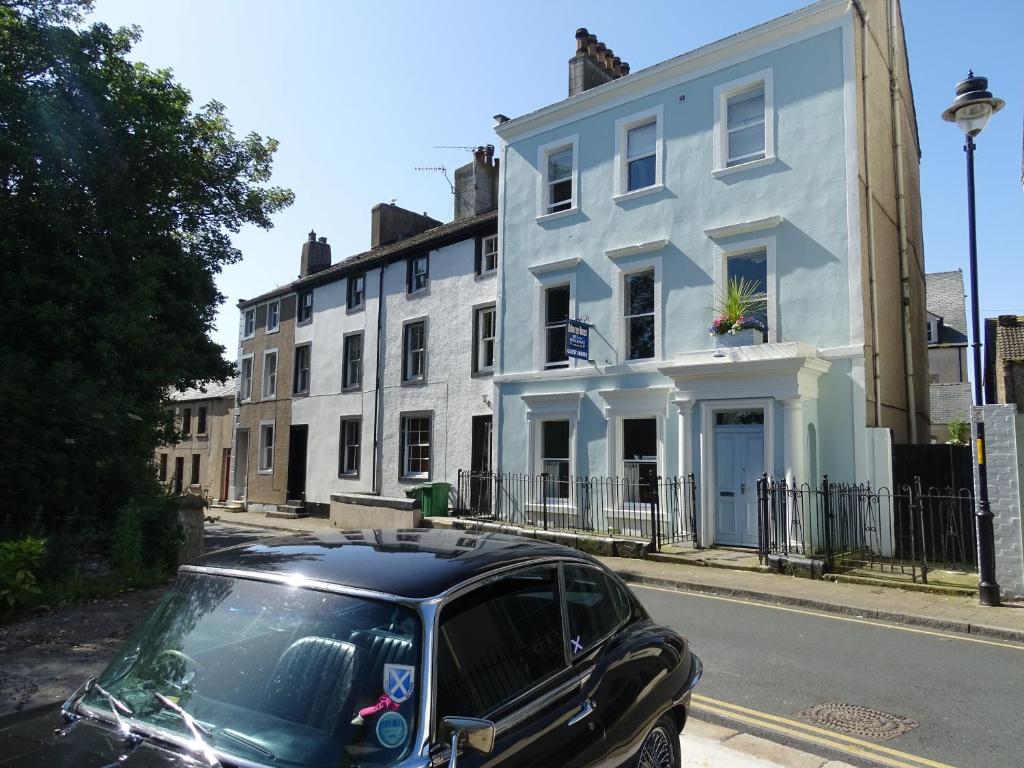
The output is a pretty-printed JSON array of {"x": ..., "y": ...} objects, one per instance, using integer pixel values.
[{"x": 838, "y": 742}]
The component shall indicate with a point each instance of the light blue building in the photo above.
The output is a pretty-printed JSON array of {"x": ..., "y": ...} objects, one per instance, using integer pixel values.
[{"x": 631, "y": 203}]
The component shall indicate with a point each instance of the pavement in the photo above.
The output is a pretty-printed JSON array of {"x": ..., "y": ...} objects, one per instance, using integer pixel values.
[
  {"x": 948, "y": 613},
  {"x": 706, "y": 745}
]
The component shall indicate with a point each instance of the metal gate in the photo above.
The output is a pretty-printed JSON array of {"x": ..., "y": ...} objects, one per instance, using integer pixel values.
[{"x": 909, "y": 531}]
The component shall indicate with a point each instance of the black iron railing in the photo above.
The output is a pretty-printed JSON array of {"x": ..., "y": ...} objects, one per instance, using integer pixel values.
[
  {"x": 661, "y": 509},
  {"x": 909, "y": 530}
]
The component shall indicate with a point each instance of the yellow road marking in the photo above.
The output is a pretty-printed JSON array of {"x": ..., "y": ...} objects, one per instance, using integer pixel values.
[
  {"x": 834, "y": 617},
  {"x": 848, "y": 749},
  {"x": 725, "y": 708}
]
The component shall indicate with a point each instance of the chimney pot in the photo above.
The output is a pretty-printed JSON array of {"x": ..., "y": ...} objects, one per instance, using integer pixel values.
[
  {"x": 489, "y": 153},
  {"x": 312, "y": 235},
  {"x": 617, "y": 66},
  {"x": 323, "y": 239},
  {"x": 591, "y": 45},
  {"x": 581, "y": 40},
  {"x": 625, "y": 69},
  {"x": 601, "y": 51}
]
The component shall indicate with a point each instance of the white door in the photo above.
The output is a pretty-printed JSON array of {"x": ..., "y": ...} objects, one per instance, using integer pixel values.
[{"x": 739, "y": 463}]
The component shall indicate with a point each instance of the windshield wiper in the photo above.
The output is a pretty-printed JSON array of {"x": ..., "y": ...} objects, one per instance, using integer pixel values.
[
  {"x": 69, "y": 709},
  {"x": 115, "y": 704},
  {"x": 193, "y": 726},
  {"x": 241, "y": 738}
]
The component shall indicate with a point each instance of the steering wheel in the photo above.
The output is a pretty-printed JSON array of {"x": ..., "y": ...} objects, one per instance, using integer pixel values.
[{"x": 179, "y": 657}]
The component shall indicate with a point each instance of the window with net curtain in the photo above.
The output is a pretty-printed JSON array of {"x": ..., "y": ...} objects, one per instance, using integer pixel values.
[
  {"x": 745, "y": 126},
  {"x": 555, "y": 458},
  {"x": 641, "y": 159}
]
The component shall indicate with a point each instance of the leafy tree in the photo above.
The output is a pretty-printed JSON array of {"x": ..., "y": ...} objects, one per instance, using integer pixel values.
[{"x": 117, "y": 205}]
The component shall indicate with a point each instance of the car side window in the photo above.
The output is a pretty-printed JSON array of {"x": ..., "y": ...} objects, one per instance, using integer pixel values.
[
  {"x": 595, "y": 606},
  {"x": 498, "y": 641}
]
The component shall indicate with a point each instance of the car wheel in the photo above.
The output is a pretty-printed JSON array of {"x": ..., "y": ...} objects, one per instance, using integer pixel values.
[{"x": 661, "y": 747}]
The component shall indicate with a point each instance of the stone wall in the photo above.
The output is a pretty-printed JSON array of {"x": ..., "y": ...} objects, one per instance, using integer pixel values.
[{"x": 1004, "y": 438}]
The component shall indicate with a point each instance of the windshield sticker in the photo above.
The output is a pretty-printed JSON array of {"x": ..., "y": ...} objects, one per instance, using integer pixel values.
[
  {"x": 398, "y": 681},
  {"x": 384, "y": 703},
  {"x": 577, "y": 644},
  {"x": 391, "y": 730}
]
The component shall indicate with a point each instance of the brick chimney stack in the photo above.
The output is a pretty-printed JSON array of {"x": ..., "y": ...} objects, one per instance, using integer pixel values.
[
  {"x": 594, "y": 64},
  {"x": 476, "y": 184},
  {"x": 316, "y": 255}
]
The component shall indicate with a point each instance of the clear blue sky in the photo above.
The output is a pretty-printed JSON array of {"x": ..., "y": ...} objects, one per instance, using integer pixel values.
[{"x": 359, "y": 93}]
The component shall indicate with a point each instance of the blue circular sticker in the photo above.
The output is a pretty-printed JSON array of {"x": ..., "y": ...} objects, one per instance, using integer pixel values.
[{"x": 391, "y": 730}]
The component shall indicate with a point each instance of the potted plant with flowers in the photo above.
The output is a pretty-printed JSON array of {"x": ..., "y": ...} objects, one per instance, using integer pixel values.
[{"x": 736, "y": 309}]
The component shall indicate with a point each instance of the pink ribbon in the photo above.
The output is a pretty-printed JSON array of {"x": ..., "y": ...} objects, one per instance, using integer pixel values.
[{"x": 384, "y": 703}]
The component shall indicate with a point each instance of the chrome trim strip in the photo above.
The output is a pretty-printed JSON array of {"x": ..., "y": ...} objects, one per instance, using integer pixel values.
[
  {"x": 299, "y": 581},
  {"x": 528, "y": 711}
]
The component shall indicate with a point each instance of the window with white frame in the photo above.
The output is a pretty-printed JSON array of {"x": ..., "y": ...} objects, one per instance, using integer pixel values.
[
  {"x": 933, "y": 330},
  {"x": 419, "y": 273},
  {"x": 305, "y": 311},
  {"x": 245, "y": 379},
  {"x": 267, "y": 447},
  {"x": 639, "y": 459},
  {"x": 556, "y": 316},
  {"x": 348, "y": 458},
  {"x": 554, "y": 457},
  {"x": 638, "y": 314},
  {"x": 352, "y": 361},
  {"x": 273, "y": 316},
  {"x": 248, "y": 323},
  {"x": 485, "y": 323},
  {"x": 488, "y": 261},
  {"x": 302, "y": 363},
  {"x": 414, "y": 355},
  {"x": 415, "y": 446},
  {"x": 641, "y": 156},
  {"x": 356, "y": 291},
  {"x": 750, "y": 270},
  {"x": 744, "y": 126},
  {"x": 270, "y": 374},
  {"x": 744, "y": 116},
  {"x": 559, "y": 179}
]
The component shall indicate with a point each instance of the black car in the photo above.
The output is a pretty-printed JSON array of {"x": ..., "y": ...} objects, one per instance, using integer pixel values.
[{"x": 408, "y": 648}]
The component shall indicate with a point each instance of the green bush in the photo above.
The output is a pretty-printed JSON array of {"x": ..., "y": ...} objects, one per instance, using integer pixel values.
[
  {"x": 959, "y": 431},
  {"x": 20, "y": 563}
]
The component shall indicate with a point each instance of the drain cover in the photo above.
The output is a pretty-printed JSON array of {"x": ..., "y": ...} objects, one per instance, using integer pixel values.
[{"x": 857, "y": 721}]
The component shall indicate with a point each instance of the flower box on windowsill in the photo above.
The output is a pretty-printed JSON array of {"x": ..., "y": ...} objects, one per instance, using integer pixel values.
[{"x": 745, "y": 338}]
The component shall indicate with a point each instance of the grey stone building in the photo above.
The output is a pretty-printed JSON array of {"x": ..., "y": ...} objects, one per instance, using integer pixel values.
[{"x": 949, "y": 385}]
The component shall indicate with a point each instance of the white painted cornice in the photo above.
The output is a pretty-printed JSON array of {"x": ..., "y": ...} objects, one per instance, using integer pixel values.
[
  {"x": 744, "y": 227},
  {"x": 554, "y": 266},
  {"x": 636, "y": 249}
]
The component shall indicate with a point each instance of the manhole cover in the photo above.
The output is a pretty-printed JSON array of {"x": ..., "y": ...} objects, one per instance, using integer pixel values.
[{"x": 857, "y": 721}]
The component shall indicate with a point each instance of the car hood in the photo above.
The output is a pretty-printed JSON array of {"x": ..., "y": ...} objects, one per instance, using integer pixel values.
[{"x": 39, "y": 738}]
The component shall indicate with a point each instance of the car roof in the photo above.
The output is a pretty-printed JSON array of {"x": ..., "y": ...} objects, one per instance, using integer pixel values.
[{"x": 414, "y": 563}]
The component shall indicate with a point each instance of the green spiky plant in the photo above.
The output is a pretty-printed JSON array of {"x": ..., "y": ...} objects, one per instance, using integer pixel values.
[{"x": 736, "y": 306}]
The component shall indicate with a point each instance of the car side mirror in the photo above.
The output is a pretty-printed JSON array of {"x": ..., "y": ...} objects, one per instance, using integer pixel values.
[{"x": 468, "y": 732}]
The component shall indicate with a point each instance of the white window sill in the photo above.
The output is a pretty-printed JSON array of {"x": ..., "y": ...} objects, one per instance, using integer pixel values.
[
  {"x": 266, "y": 399},
  {"x": 414, "y": 478},
  {"x": 488, "y": 274},
  {"x": 546, "y": 217},
  {"x": 355, "y": 310},
  {"x": 634, "y": 194},
  {"x": 275, "y": 330},
  {"x": 720, "y": 172},
  {"x": 420, "y": 292},
  {"x": 250, "y": 337},
  {"x": 265, "y": 471}
]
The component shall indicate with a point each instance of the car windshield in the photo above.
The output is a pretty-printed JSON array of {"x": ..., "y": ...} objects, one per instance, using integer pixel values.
[{"x": 274, "y": 674}]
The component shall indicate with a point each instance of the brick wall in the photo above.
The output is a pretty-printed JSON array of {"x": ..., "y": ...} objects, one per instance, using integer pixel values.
[{"x": 1004, "y": 438}]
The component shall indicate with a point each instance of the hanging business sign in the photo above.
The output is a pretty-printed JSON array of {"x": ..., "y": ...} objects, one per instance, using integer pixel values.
[{"x": 577, "y": 342}]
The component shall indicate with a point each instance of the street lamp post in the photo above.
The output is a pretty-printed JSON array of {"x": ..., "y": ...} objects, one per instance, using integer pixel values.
[{"x": 971, "y": 110}]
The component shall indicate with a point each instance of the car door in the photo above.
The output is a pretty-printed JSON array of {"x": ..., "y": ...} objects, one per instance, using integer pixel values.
[
  {"x": 502, "y": 655},
  {"x": 608, "y": 646}
]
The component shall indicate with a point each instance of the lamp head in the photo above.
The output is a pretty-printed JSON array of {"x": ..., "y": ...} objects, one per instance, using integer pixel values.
[{"x": 973, "y": 106}]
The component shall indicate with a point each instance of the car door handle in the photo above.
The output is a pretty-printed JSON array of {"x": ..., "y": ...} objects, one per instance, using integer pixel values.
[{"x": 585, "y": 711}]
